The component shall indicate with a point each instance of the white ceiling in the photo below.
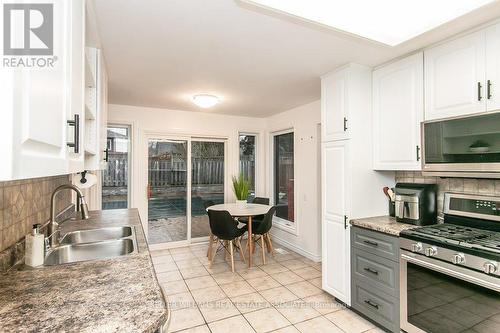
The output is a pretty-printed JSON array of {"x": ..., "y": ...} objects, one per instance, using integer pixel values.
[{"x": 161, "y": 52}]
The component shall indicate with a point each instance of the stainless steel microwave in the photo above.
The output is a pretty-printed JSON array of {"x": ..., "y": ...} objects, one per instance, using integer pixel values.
[{"x": 462, "y": 147}]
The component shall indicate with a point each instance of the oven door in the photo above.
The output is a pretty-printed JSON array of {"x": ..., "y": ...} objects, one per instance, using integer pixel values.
[{"x": 439, "y": 297}]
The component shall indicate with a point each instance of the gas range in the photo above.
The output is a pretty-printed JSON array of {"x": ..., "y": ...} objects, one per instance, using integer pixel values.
[
  {"x": 450, "y": 272},
  {"x": 462, "y": 239}
]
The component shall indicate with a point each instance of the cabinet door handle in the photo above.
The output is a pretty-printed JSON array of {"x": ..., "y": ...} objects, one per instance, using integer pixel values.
[
  {"x": 418, "y": 153},
  {"x": 371, "y": 303},
  {"x": 345, "y": 222},
  {"x": 345, "y": 124},
  {"x": 76, "y": 134},
  {"x": 479, "y": 87},
  {"x": 488, "y": 89},
  {"x": 370, "y": 243},
  {"x": 371, "y": 270}
]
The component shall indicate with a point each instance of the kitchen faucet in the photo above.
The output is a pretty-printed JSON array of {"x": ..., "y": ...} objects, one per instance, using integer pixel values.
[{"x": 53, "y": 226}]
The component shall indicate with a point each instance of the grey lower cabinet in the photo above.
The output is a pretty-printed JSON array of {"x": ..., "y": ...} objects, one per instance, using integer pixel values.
[{"x": 375, "y": 274}]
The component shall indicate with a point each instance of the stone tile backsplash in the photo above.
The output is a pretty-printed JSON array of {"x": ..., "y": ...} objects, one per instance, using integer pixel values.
[
  {"x": 457, "y": 185},
  {"x": 24, "y": 203}
]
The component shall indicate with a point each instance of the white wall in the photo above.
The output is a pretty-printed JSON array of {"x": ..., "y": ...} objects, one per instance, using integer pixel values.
[
  {"x": 305, "y": 121},
  {"x": 182, "y": 123}
]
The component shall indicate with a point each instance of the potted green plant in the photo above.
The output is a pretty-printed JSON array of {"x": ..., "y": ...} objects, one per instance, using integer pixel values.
[{"x": 241, "y": 187}]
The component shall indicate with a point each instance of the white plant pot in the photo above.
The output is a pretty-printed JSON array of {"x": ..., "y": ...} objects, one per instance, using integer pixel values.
[{"x": 241, "y": 203}]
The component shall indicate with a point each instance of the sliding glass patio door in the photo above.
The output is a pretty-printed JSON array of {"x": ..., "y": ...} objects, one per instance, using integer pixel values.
[
  {"x": 207, "y": 182},
  {"x": 184, "y": 176},
  {"x": 167, "y": 191}
]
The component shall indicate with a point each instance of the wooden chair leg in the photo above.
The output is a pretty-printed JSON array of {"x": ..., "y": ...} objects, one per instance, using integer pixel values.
[
  {"x": 253, "y": 247},
  {"x": 232, "y": 255},
  {"x": 240, "y": 249},
  {"x": 263, "y": 246},
  {"x": 226, "y": 245},
  {"x": 213, "y": 256},
  {"x": 210, "y": 244},
  {"x": 270, "y": 244}
]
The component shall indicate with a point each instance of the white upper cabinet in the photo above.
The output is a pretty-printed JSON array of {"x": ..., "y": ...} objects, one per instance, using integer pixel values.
[
  {"x": 398, "y": 109},
  {"x": 455, "y": 77},
  {"x": 37, "y": 104},
  {"x": 334, "y": 100},
  {"x": 493, "y": 68}
]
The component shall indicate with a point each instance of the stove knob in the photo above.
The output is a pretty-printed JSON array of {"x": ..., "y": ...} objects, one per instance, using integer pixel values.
[
  {"x": 416, "y": 247},
  {"x": 459, "y": 258},
  {"x": 431, "y": 251},
  {"x": 490, "y": 268}
]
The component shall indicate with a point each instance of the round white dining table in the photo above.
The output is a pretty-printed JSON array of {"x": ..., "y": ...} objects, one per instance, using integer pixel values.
[{"x": 248, "y": 210}]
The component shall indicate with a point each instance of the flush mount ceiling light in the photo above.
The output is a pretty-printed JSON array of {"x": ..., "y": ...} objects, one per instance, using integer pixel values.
[
  {"x": 389, "y": 22},
  {"x": 205, "y": 100}
]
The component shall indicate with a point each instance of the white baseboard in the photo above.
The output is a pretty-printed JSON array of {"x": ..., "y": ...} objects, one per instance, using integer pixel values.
[{"x": 293, "y": 247}]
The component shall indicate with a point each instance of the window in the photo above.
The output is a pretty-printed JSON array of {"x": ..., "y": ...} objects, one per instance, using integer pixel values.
[
  {"x": 284, "y": 176},
  {"x": 115, "y": 176},
  {"x": 247, "y": 161}
]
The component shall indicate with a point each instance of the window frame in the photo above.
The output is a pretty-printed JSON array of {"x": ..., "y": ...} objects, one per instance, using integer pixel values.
[
  {"x": 284, "y": 224},
  {"x": 256, "y": 154},
  {"x": 129, "y": 126}
]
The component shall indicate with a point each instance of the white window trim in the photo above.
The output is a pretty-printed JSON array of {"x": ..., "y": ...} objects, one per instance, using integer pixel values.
[{"x": 280, "y": 223}]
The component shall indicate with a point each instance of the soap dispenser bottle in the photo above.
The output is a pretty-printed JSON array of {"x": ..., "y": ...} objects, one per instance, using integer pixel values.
[{"x": 34, "y": 252}]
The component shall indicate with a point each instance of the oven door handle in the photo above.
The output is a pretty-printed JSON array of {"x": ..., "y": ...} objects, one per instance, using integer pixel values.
[{"x": 453, "y": 273}]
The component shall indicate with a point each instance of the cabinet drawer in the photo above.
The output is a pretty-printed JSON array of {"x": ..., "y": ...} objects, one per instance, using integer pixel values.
[
  {"x": 381, "y": 308},
  {"x": 375, "y": 242},
  {"x": 376, "y": 271}
]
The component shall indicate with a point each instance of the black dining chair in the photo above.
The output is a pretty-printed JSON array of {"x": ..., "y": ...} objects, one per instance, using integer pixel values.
[
  {"x": 260, "y": 201},
  {"x": 262, "y": 229},
  {"x": 257, "y": 218},
  {"x": 212, "y": 239},
  {"x": 225, "y": 228}
]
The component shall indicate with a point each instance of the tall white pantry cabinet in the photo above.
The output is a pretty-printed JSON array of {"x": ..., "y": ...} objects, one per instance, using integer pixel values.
[{"x": 350, "y": 187}]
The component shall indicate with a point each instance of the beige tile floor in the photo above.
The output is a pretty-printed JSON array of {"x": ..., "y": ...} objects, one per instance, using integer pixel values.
[{"x": 282, "y": 296}]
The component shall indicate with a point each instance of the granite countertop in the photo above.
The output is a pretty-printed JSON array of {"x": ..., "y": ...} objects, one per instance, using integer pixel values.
[
  {"x": 112, "y": 295},
  {"x": 385, "y": 224}
]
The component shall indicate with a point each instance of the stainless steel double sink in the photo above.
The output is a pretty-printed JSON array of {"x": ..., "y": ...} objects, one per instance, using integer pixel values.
[{"x": 93, "y": 244}]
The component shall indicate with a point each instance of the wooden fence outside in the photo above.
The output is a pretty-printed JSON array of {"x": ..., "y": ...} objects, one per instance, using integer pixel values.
[{"x": 169, "y": 172}]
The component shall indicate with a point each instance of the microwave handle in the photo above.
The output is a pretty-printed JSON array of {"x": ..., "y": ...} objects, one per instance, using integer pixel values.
[{"x": 453, "y": 273}]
